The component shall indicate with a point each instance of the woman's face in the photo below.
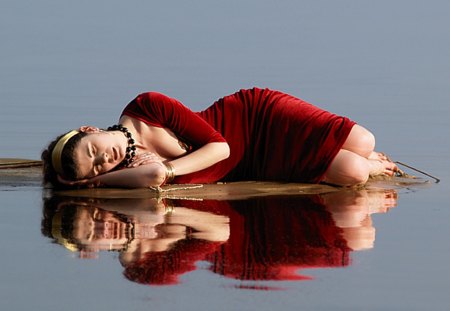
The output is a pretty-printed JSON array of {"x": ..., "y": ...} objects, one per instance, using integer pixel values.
[
  {"x": 99, "y": 152},
  {"x": 97, "y": 229}
]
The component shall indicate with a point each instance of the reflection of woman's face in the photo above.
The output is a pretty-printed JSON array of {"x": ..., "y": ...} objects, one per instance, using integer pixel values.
[
  {"x": 100, "y": 230},
  {"x": 98, "y": 153}
]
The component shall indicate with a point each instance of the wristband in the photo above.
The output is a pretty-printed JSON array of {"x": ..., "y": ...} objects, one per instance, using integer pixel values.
[{"x": 170, "y": 173}]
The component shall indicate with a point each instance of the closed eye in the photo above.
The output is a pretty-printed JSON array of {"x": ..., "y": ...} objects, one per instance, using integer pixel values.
[
  {"x": 89, "y": 150},
  {"x": 95, "y": 167}
]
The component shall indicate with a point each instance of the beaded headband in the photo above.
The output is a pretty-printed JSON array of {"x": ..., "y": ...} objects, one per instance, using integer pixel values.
[{"x": 57, "y": 151}]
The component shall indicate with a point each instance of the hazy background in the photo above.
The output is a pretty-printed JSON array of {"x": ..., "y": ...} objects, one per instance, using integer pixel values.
[
  {"x": 383, "y": 63},
  {"x": 65, "y": 63}
]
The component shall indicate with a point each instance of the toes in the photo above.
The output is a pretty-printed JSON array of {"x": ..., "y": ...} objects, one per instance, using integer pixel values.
[{"x": 378, "y": 156}]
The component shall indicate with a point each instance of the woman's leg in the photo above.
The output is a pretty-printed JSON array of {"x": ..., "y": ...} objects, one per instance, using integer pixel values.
[
  {"x": 350, "y": 169},
  {"x": 357, "y": 160},
  {"x": 360, "y": 141},
  {"x": 347, "y": 169}
]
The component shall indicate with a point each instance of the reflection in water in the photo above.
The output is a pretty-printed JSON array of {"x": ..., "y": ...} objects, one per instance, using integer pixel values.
[{"x": 268, "y": 238}]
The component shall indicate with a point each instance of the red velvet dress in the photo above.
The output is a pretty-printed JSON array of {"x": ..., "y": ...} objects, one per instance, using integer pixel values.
[{"x": 272, "y": 135}]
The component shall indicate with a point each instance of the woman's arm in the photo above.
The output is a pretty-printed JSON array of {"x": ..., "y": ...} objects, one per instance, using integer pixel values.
[
  {"x": 154, "y": 174},
  {"x": 160, "y": 110},
  {"x": 146, "y": 175},
  {"x": 198, "y": 160},
  {"x": 202, "y": 158}
]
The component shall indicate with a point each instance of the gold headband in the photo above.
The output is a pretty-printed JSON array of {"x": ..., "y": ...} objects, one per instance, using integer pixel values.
[
  {"x": 57, "y": 151},
  {"x": 57, "y": 235}
]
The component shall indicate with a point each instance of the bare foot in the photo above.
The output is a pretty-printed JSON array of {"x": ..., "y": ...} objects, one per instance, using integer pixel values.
[
  {"x": 382, "y": 167},
  {"x": 379, "y": 156}
]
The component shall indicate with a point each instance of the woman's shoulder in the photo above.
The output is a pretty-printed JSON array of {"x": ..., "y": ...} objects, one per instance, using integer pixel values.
[
  {"x": 153, "y": 96},
  {"x": 148, "y": 100}
]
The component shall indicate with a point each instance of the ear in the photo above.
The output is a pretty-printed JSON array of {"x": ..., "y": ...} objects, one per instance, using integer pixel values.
[{"x": 89, "y": 129}]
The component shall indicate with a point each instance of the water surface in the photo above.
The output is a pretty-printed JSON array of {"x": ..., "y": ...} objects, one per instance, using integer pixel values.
[{"x": 383, "y": 63}]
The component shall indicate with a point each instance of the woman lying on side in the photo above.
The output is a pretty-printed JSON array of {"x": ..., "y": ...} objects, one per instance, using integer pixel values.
[{"x": 254, "y": 134}]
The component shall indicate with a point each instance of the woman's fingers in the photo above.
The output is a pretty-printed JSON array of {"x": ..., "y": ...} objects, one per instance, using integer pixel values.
[{"x": 145, "y": 158}]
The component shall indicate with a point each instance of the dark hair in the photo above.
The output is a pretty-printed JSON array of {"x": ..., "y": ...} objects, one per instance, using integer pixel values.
[
  {"x": 50, "y": 210},
  {"x": 67, "y": 159}
]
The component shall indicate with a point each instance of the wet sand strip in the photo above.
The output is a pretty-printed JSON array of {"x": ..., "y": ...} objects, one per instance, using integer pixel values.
[
  {"x": 12, "y": 163},
  {"x": 21, "y": 172}
]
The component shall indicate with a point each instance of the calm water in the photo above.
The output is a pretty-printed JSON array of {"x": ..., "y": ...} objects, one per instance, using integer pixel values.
[{"x": 383, "y": 63}]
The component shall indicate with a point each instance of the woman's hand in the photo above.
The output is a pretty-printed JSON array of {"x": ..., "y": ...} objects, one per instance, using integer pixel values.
[{"x": 145, "y": 158}]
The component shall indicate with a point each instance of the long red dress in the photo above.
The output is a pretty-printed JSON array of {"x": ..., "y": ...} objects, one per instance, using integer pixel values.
[{"x": 272, "y": 135}]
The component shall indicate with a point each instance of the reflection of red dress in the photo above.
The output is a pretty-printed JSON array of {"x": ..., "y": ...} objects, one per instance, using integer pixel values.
[
  {"x": 164, "y": 268},
  {"x": 273, "y": 238},
  {"x": 272, "y": 135},
  {"x": 270, "y": 239}
]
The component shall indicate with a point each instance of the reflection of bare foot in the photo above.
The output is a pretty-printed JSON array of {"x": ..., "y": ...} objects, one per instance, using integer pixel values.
[
  {"x": 350, "y": 208},
  {"x": 381, "y": 201}
]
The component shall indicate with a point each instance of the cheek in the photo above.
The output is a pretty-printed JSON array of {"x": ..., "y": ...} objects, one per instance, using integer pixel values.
[
  {"x": 82, "y": 172},
  {"x": 79, "y": 166},
  {"x": 81, "y": 175},
  {"x": 77, "y": 171}
]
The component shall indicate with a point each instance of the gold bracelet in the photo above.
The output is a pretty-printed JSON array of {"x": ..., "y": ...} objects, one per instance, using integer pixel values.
[{"x": 170, "y": 173}]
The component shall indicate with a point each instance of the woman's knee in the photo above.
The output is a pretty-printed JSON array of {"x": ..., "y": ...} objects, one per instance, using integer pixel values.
[{"x": 360, "y": 141}]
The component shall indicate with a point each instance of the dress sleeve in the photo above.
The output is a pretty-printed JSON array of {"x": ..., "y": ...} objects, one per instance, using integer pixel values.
[{"x": 157, "y": 109}]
